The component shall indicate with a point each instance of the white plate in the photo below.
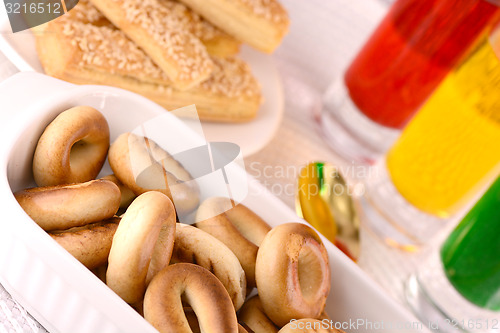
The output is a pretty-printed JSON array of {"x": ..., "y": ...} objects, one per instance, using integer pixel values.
[
  {"x": 19, "y": 48},
  {"x": 60, "y": 292}
]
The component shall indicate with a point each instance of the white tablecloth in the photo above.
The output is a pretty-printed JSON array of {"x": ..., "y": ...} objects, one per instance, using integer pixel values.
[{"x": 324, "y": 36}]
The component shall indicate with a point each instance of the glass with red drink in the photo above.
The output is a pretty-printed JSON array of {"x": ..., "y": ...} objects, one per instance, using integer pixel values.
[{"x": 408, "y": 55}]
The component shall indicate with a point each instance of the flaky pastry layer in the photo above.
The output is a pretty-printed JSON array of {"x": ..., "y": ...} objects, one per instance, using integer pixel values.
[
  {"x": 152, "y": 26},
  {"x": 217, "y": 42},
  {"x": 260, "y": 23},
  {"x": 97, "y": 53}
]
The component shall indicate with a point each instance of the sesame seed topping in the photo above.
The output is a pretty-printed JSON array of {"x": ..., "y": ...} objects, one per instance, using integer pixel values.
[
  {"x": 270, "y": 10},
  {"x": 181, "y": 48},
  {"x": 193, "y": 22},
  {"x": 111, "y": 50},
  {"x": 104, "y": 48},
  {"x": 232, "y": 77}
]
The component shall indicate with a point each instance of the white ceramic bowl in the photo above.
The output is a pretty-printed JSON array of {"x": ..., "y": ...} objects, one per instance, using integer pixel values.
[{"x": 60, "y": 292}]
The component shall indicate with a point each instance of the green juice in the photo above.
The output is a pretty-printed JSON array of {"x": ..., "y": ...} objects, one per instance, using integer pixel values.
[{"x": 471, "y": 254}]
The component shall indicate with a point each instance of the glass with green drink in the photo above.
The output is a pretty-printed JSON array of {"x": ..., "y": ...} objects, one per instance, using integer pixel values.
[{"x": 458, "y": 290}]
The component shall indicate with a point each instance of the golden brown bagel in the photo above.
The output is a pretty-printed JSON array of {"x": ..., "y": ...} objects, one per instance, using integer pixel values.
[
  {"x": 146, "y": 231},
  {"x": 309, "y": 325},
  {"x": 195, "y": 246},
  {"x": 200, "y": 289},
  {"x": 127, "y": 196},
  {"x": 66, "y": 206},
  {"x": 141, "y": 165},
  {"x": 292, "y": 273},
  {"x": 253, "y": 315},
  {"x": 240, "y": 229},
  {"x": 89, "y": 244},
  {"x": 72, "y": 149},
  {"x": 163, "y": 248}
]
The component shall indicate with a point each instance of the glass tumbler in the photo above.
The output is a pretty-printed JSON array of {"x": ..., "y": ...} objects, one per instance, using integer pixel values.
[
  {"x": 445, "y": 157},
  {"x": 458, "y": 289}
]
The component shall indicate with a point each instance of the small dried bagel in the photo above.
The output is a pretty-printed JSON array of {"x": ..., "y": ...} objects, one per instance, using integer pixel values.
[
  {"x": 89, "y": 244},
  {"x": 197, "y": 287},
  {"x": 193, "y": 245},
  {"x": 240, "y": 229},
  {"x": 146, "y": 231},
  {"x": 141, "y": 165},
  {"x": 62, "y": 207},
  {"x": 72, "y": 149},
  {"x": 292, "y": 273}
]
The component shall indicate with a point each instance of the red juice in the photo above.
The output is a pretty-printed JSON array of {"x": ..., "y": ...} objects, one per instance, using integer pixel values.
[{"x": 411, "y": 51}]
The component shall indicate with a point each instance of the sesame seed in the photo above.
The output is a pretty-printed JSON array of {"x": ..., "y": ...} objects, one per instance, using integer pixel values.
[
  {"x": 168, "y": 32},
  {"x": 112, "y": 51},
  {"x": 270, "y": 10}
]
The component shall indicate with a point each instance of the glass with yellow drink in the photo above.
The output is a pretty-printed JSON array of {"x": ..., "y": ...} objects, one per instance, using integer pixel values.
[
  {"x": 449, "y": 152},
  {"x": 453, "y": 144}
]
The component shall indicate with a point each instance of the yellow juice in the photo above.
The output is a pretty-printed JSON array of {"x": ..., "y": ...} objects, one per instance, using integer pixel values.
[{"x": 451, "y": 148}]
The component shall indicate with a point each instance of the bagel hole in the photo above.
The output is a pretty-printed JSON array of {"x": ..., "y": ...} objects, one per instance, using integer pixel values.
[
  {"x": 81, "y": 153},
  {"x": 192, "y": 319},
  {"x": 310, "y": 272}
]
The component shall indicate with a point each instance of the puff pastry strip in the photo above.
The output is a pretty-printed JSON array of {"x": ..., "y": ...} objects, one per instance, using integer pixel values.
[
  {"x": 180, "y": 54},
  {"x": 85, "y": 53},
  {"x": 217, "y": 42},
  {"x": 260, "y": 23}
]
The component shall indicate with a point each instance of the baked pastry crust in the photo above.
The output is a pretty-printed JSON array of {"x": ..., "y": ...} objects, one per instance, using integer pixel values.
[
  {"x": 217, "y": 42},
  {"x": 260, "y": 23},
  {"x": 179, "y": 53},
  {"x": 83, "y": 47}
]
